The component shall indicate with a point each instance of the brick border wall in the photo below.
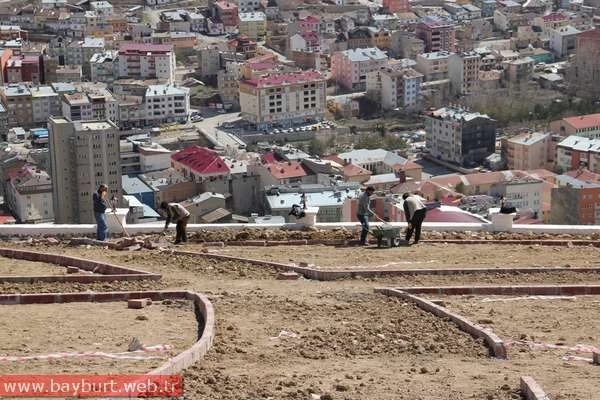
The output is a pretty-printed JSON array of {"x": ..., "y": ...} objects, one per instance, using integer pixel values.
[
  {"x": 102, "y": 271},
  {"x": 355, "y": 242},
  {"x": 532, "y": 290},
  {"x": 495, "y": 344},
  {"x": 325, "y": 275},
  {"x": 531, "y": 390},
  {"x": 203, "y": 307}
]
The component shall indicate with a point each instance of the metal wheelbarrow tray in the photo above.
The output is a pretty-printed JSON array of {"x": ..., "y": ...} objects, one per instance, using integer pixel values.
[{"x": 387, "y": 234}]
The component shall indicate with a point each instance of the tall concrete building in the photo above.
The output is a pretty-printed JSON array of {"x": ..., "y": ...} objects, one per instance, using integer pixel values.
[
  {"x": 586, "y": 70},
  {"x": 83, "y": 155},
  {"x": 438, "y": 33}
]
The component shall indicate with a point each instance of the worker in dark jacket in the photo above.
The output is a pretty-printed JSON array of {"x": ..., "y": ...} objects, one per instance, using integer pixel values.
[
  {"x": 363, "y": 212},
  {"x": 414, "y": 211},
  {"x": 100, "y": 206},
  {"x": 175, "y": 212}
]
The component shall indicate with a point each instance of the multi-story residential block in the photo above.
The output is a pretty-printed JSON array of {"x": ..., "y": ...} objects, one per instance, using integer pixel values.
[
  {"x": 174, "y": 21},
  {"x": 563, "y": 40},
  {"x": 434, "y": 66},
  {"x": 3, "y": 123},
  {"x": 576, "y": 152},
  {"x": 350, "y": 68},
  {"x": 166, "y": 103},
  {"x": 283, "y": 99},
  {"x": 202, "y": 165},
  {"x": 83, "y": 155},
  {"x": 309, "y": 41},
  {"x": 587, "y": 126},
  {"x": 463, "y": 71},
  {"x": 146, "y": 61},
  {"x": 17, "y": 99},
  {"x": 228, "y": 82},
  {"x": 253, "y": 24},
  {"x": 396, "y": 88},
  {"x": 396, "y": 6},
  {"x": 24, "y": 68},
  {"x": 359, "y": 38},
  {"x": 209, "y": 62},
  {"x": 91, "y": 103},
  {"x": 45, "y": 103},
  {"x": 381, "y": 38},
  {"x": 529, "y": 151},
  {"x": 380, "y": 161},
  {"x": 81, "y": 52},
  {"x": 104, "y": 66},
  {"x": 227, "y": 12},
  {"x": 68, "y": 73},
  {"x": 437, "y": 33},
  {"x": 575, "y": 202},
  {"x": 28, "y": 194},
  {"x": 487, "y": 7},
  {"x": 587, "y": 64},
  {"x": 519, "y": 71},
  {"x": 460, "y": 136}
]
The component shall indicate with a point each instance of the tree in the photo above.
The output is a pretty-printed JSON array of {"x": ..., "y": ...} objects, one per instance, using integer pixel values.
[{"x": 316, "y": 147}]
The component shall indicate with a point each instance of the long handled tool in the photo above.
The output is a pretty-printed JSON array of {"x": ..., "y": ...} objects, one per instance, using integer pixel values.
[{"x": 114, "y": 210}]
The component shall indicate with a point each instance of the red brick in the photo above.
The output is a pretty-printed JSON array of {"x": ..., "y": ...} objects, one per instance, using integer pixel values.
[{"x": 138, "y": 303}]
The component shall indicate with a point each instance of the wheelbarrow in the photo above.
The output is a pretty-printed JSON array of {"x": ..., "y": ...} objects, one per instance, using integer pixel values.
[{"x": 387, "y": 234}]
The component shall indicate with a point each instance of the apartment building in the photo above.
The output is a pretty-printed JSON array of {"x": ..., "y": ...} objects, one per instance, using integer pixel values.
[
  {"x": 146, "y": 61},
  {"x": 575, "y": 202},
  {"x": 576, "y": 152},
  {"x": 396, "y": 6},
  {"x": 166, "y": 103},
  {"x": 350, "y": 68},
  {"x": 434, "y": 66},
  {"x": 563, "y": 40},
  {"x": 529, "y": 151},
  {"x": 17, "y": 99},
  {"x": 396, "y": 88},
  {"x": 90, "y": 104},
  {"x": 83, "y": 155},
  {"x": 28, "y": 194},
  {"x": 438, "y": 34},
  {"x": 587, "y": 64},
  {"x": 227, "y": 12},
  {"x": 283, "y": 99},
  {"x": 587, "y": 126},
  {"x": 45, "y": 103},
  {"x": 463, "y": 71},
  {"x": 104, "y": 66},
  {"x": 24, "y": 68},
  {"x": 81, "y": 52},
  {"x": 253, "y": 24},
  {"x": 460, "y": 136}
]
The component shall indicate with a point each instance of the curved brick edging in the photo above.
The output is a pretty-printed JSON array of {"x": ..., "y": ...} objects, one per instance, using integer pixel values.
[
  {"x": 355, "y": 242},
  {"x": 531, "y": 390},
  {"x": 202, "y": 306},
  {"x": 325, "y": 275},
  {"x": 495, "y": 344},
  {"x": 102, "y": 271}
]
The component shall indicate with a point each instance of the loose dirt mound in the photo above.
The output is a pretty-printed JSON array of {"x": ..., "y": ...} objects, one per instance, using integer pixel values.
[{"x": 273, "y": 346}]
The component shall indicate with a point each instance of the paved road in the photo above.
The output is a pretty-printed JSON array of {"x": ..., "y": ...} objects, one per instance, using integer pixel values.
[{"x": 219, "y": 138}]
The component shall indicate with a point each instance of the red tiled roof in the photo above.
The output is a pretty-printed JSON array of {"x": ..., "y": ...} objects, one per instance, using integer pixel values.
[
  {"x": 447, "y": 180},
  {"x": 437, "y": 215},
  {"x": 585, "y": 175},
  {"x": 583, "y": 121},
  {"x": 226, "y": 5},
  {"x": 201, "y": 160},
  {"x": 285, "y": 170},
  {"x": 355, "y": 170},
  {"x": 283, "y": 79},
  {"x": 270, "y": 157},
  {"x": 554, "y": 17},
  {"x": 310, "y": 20},
  {"x": 144, "y": 48}
]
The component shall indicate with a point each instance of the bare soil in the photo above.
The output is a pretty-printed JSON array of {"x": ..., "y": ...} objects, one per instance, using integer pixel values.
[
  {"x": 40, "y": 329},
  {"x": 337, "y": 340},
  {"x": 13, "y": 267},
  {"x": 426, "y": 255},
  {"x": 564, "y": 322}
]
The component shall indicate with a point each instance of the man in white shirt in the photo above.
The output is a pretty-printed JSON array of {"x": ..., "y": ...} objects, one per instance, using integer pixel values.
[
  {"x": 414, "y": 211},
  {"x": 175, "y": 212}
]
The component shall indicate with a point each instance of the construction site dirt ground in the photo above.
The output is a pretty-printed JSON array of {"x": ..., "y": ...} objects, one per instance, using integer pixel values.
[
  {"x": 425, "y": 255},
  {"x": 289, "y": 339},
  {"x": 520, "y": 322},
  {"x": 12, "y": 267},
  {"x": 42, "y": 329}
]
